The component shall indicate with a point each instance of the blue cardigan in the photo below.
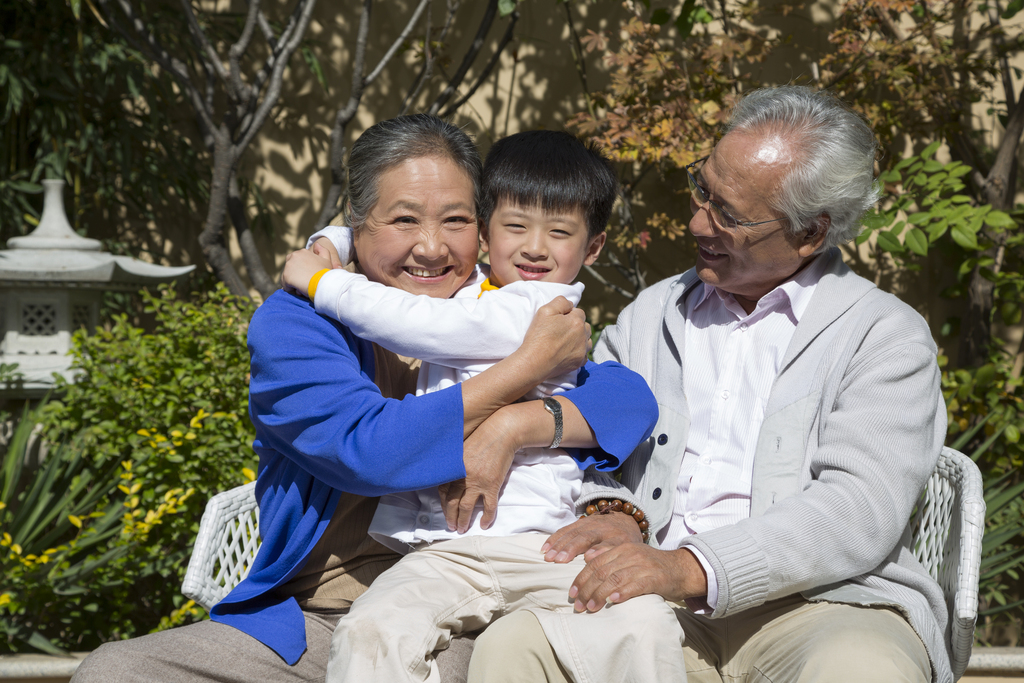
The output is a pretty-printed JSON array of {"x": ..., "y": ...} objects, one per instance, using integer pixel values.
[{"x": 323, "y": 428}]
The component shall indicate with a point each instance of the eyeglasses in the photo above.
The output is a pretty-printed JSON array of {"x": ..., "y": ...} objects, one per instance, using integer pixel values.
[{"x": 722, "y": 217}]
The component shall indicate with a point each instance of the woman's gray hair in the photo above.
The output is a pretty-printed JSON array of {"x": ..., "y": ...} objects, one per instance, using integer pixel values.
[
  {"x": 834, "y": 171},
  {"x": 389, "y": 143}
]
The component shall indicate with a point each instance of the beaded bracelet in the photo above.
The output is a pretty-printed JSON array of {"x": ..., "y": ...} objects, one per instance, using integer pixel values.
[{"x": 606, "y": 507}]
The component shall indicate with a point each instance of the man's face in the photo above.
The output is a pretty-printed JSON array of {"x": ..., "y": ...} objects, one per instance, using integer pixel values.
[{"x": 741, "y": 175}]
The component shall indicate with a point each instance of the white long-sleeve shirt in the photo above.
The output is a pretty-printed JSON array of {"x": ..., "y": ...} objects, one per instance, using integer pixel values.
[
  {"x": 732, "y": 360},
  {"x": 457, "y": 338}
]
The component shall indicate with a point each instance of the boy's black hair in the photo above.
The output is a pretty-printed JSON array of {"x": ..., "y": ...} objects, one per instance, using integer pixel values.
[{"x": 552, "y": 170}]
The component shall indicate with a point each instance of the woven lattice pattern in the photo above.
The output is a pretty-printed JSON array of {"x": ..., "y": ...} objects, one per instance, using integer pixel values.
[
  {"x": 38, "y": 319},
  {"x": 225, "y": 547},
  {"x": 947, "y": 530}
]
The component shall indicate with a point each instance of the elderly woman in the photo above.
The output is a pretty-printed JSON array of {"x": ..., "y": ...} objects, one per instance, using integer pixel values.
[{"x": 332, "y": 425}]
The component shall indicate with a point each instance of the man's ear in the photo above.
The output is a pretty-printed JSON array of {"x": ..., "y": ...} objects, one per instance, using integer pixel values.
[
  {"x": 815, "y": 235},
  {"x": 594, "y": 248}
]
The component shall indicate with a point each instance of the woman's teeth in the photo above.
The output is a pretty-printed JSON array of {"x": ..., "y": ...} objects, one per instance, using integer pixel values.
[{"x": 423, "y": 272}]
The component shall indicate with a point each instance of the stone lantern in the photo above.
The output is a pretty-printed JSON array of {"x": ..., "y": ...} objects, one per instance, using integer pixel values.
[{"x": 51, "y": 284}]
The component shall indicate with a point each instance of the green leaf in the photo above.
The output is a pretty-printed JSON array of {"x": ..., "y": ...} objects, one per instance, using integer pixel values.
[
  {"x": 506, "y": 7},
  {"x": 931, "y": 166},
  {"x": 314, "y": 65},
  {"x": 931, "y": 149},
  {"x": 892, "y": 176},
  {"x": 76, "y": 8},
  {"x": 919, "y": 218},
  {"x": 889, "y": 242},
  {"x": 917, "y": 241},
  {"x": 965, "y": 237},
  {"x": 1012, "y": 8},
  {"x": 1012, "y": 434},
  {"x": 999, "y": 219}
]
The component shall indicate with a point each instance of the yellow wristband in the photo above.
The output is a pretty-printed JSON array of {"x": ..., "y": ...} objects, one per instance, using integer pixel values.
[{"x": 314, "y": 281}]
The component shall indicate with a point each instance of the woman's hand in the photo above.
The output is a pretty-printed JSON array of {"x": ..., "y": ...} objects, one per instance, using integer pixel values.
[{"x": 487, "y": 454}]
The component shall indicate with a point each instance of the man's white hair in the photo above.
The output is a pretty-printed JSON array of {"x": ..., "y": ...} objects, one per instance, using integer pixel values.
[{"x": 835, "y": 156}]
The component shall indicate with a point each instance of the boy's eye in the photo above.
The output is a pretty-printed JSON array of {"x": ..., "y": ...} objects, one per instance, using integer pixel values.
[{"x": 560, "y": 233}]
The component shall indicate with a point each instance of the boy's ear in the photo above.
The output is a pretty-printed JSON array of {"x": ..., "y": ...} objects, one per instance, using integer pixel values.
[
  {"x": 485, "y": 245},
  {"x": 594, "y": 248}
]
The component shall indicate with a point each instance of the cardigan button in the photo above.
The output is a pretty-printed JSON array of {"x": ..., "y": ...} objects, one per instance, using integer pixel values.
[
  {"x": 663, "y": 439},
  {"x": 656, "y": 494}
]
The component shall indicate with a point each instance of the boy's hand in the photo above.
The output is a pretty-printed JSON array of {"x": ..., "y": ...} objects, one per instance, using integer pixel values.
[
  {"x": 299, "y": 269},
  {"x": 325, "y": 248}
]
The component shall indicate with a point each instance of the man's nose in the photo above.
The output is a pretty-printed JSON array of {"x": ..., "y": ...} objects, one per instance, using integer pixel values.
[{"x": 700, "y": 223}]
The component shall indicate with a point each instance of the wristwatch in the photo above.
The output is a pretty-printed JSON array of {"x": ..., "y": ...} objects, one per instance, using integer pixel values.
[{"x": 555, "y": 408}]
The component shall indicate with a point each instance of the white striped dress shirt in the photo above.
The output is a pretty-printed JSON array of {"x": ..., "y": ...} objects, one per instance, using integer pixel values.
[{"x": 732, "y": 360}]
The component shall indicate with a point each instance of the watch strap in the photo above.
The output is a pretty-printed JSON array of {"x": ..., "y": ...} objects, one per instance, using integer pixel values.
[{"x": 555, "y": 408}]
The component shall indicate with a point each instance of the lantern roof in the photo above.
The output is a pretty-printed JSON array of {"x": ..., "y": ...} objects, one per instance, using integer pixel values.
[{"x": 53, "y": 254}]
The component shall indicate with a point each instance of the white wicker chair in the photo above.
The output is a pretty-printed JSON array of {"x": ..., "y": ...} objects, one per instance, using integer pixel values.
[
  {"x": 229, "y": 537},
  {"x": 946, "y": 538}
]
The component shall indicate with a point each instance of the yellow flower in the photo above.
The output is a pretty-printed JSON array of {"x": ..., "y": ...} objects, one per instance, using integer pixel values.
[
  {"x": 196, "y": 422},
  {"x": 2, "y": 505},
  {"x": 176, "y": 433},
  {"x": 5, "y": 598},
  {"x": 248, "y": 474},
  {"x": 143, "y": 432},
  {"x": 190, "y": 436},
  {"x": 76, "y": 521}
]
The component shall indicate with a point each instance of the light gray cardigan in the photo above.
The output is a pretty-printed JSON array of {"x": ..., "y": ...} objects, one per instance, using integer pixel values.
[{"x": 853, "y": 428}]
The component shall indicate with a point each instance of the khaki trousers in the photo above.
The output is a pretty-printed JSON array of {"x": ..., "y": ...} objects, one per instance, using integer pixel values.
[
  {"x": 467, "y": 583},
  {"x": 208, "y": 651},
  {"x": 783, "y": 641}
]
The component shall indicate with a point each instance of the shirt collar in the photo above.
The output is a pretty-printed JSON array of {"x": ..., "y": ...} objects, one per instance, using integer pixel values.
[{"x": 792, "y": 296}]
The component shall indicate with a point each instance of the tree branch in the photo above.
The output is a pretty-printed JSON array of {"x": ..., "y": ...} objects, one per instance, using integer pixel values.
[
  {"x": 147, "y": 44},
  {"x": 212, "y": 60},
  {"x": 238, "y": 49},
  {"x": 397, "y": 44},
  {"x": 469, "y": 58},
  {"x": 285, "y": 51},
  {"x": 610, "y": 285},
  {"x": 428, "y": 63},
  {"x": 505, "y": 39}
]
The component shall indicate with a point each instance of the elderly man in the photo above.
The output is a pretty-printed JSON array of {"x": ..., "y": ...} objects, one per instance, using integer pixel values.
[{"x": 800, "y": 418}]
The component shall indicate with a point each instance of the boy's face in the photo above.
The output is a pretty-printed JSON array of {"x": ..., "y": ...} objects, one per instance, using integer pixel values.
[{"x": 529, "y": 243}]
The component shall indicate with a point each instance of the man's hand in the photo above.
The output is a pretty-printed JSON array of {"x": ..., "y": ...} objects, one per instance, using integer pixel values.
[
  {"x": 487, "y": 454},
  {"x": 559, "y": 337},
  {"x": 299, "y": 268},
  {"x": 633, "y": 569},
  {"x": 591, "y": 535},
  {"x": 324, "y": 248}
]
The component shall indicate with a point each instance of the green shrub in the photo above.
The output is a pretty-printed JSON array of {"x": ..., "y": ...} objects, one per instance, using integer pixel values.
[{"x": 159, "y": 422}]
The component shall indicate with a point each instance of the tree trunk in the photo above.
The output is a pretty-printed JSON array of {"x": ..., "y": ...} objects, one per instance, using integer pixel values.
[
  {"x": 211, "y": 239},
  {"x": 263, "y": 283}
]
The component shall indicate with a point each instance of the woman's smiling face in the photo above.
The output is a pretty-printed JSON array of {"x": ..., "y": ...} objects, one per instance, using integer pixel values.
[{"x": 421, "y": 235}]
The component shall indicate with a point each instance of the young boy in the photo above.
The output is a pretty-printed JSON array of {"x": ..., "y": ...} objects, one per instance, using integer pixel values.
[{"x": 546, "y": 200}]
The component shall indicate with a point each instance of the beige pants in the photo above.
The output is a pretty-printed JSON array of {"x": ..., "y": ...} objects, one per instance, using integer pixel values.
[
  {"x": 783, "y": 641},
  {"x": 208, "y": 651},
  {"x": 465, "y": 584}
]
